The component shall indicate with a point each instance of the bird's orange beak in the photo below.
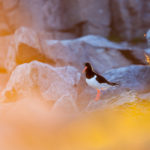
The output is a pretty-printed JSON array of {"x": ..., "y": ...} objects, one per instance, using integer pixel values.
[{"x": 84, "y": 69}]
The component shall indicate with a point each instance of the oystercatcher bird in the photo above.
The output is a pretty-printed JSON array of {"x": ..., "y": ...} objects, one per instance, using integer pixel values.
[{"x": 96, "y": 81}]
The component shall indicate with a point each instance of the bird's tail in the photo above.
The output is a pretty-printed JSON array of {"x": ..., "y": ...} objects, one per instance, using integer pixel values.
[{"x": 114, "y": 84}]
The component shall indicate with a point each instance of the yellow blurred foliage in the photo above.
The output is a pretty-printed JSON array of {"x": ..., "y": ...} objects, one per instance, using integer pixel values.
[{"x": 28, "y": 125}]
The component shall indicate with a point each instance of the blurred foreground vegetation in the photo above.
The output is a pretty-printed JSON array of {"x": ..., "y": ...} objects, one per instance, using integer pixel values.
[{"x": 28, "y": 126}]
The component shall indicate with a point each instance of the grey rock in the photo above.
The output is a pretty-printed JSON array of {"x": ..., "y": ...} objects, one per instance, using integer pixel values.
[
  {"x": 52, "y": 84},
  {"x": 69, "y": 19},
  {"x": 100, "y": 52},
  {"x": 130, "y": 18},
  {"x": 24, "y": 47},
  {"x": 28, "y": 45},
  {"x": 148, "y": 38},
  {"x": 59, "y": 16},
  {"x": 112, "y": 101},
  {"x": 135, "y": 77},
  {"x": 134, "y": 83},
  {"x": 97, "y": 22}
]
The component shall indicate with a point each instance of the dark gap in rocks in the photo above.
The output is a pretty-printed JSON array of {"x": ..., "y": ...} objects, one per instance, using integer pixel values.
[
  {"x": 114, "y": 37},
  {"x": 130, "y": 56},
  {"x": 77, "y": 29},
  {"x": 114, "y": 33},
  {"x": 27, "y": 54},
  {"x": 135, "y": 41}
]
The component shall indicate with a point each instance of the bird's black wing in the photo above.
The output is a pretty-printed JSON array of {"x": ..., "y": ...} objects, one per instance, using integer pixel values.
[{"x": 101, "y": 79}]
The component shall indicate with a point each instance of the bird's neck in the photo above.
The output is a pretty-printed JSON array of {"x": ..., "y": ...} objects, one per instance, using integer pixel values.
[{"x": 89, "y": 73}]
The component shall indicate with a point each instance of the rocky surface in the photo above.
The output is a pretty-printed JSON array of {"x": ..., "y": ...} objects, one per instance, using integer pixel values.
[
  {"x": 58, "y": 16},
  {"x": 38, "y": 41},
  {"x": 69, "y": 19},
  {"x": 132, "y": 77},
  {"x": 148, "y": 38},
  {"x": 4, "y": 46},
  {"x": 52, "y": 84},
  {"x": 147, "y": 50},
  {"x": 130, "y": 18},
  {"x": 111, "y": 59},
  {"x": 61, "y": 86},
  {"x": 28, "y": 45},
  {"x": 134, "y": 83},
  {"x": 25, "y": 47},
  {"x": 44, "y": 96}
]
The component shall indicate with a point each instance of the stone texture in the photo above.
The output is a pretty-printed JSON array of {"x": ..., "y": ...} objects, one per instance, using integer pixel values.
[
  {"x": 148, "y": 38},
  {"x": 134, "y": 82},
  {"x": 24, "y": 47},
  {"x": 4, "y": 45},
  {"x": 112, "y": 101},
  {"x": 28, "y": 45},
  {"x": 53, "y": 84},
  {"x": 135, "y": 77},
  {"x": 59, "y": 16},
  {"x": 102, "y": 53},
  {"x": 130, "y": 18}
]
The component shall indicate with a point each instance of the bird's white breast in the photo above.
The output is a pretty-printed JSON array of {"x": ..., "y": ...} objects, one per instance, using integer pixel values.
[{"x": 95, "y": 84}]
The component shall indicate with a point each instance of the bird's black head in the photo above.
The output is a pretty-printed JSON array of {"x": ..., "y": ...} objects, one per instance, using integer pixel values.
[
  {"x": 88, "y": 70},
  {"x": 88, "y": 65}
]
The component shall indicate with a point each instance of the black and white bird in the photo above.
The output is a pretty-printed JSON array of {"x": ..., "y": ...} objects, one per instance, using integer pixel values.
[{"x": 96, "y": 81}]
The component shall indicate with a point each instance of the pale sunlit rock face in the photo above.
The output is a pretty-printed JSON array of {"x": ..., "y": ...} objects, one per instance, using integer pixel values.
[
  {"x": 133, "y": 77},
  {"x": 27, "y": 45},
  {"x": 52, "y": 84},
  {"x": 133, "y": 82},
  {"x": 148, "y": 38}
]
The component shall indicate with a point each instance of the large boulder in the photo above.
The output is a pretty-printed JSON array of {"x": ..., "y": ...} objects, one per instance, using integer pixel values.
[
  {"x": 134, "y": 77},
  {"x": 52, "y": 84},
  {"x": 24, "y": 47},
  {"x": 28, "y": 45},
  {"x": 134, "y": 83}
]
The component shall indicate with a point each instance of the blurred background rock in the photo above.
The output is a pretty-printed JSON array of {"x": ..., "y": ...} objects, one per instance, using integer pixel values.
[{"x": 63, "y": 19}]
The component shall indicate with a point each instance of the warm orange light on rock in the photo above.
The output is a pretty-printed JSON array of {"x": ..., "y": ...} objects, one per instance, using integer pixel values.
[{"x": 147, "y": 59}]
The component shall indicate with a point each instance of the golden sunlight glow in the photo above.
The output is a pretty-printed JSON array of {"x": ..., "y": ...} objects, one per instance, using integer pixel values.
[
  {"x": 147, "y": 59},
  {"x": 28, "y": 125}
]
